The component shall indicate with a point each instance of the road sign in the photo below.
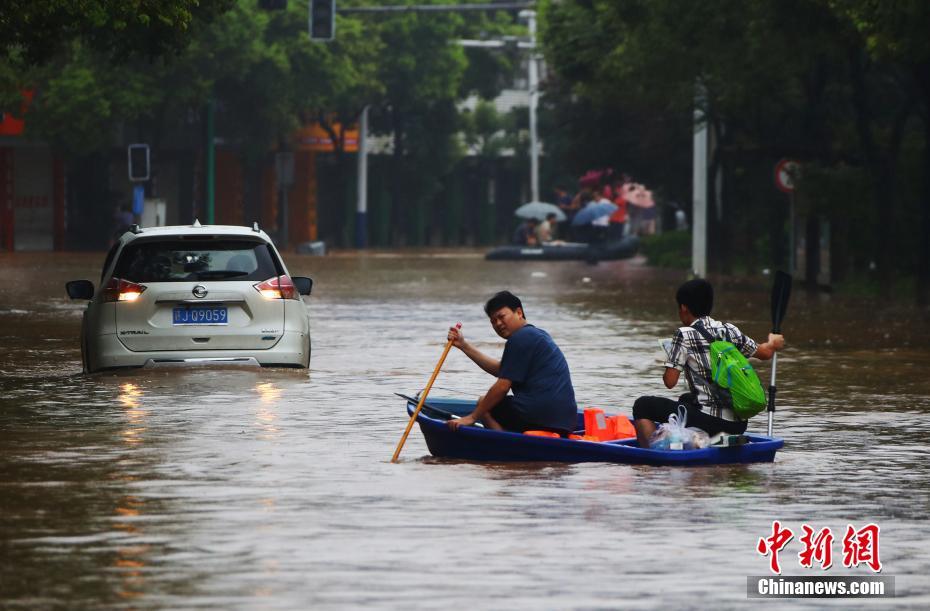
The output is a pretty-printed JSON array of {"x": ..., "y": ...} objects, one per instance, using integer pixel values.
[
  {"x": 138, "y": 157},
  {"x": 786, "y": 171}
]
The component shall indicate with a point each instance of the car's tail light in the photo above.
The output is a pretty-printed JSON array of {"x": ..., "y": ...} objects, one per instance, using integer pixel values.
[
  {"x": 118, "y": 289},
  {"x": 279, "y": 287}
]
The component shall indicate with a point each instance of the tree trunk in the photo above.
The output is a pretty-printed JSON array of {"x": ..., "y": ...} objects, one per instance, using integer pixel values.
[
  {"x": 839, "y": 249},
  {"x": 252, "y": 190},
  {"x": 90, "y": 203},
  {"x": 812, "y": 254},
  {"x": 718, "y": 254},
  {"x": 923, "y": 247},
  {"x": 399, "y": 222},
  {"x": 883, "y": 191},
  {"x": 923, "y": 261}
]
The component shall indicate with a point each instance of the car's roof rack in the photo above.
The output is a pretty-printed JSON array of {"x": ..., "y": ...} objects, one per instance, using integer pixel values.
[
  {"x": 255, "y": 227},
  {"x": 196, "y": 223},
  {"x": 135, "y": 228}
]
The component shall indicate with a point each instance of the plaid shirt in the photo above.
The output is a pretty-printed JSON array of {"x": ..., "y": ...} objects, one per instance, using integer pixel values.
[{"x": 690, "y": 352}]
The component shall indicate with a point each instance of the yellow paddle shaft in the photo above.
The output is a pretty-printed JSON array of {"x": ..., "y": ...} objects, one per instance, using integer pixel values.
[{"x": 423, "y": 395}]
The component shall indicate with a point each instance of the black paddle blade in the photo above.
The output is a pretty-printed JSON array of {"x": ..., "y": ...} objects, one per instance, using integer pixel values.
[
  {"x": 433, "y": 412},
  {"x": 781, "y": 292}
]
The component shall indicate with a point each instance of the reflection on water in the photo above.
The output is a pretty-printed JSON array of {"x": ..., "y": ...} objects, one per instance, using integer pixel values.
[
  {"x": 129, "y": 397},
  {"x": 240, "y": 488},
  {"x": 266, "y": 416},
  {"x": 130, "y": 561}
]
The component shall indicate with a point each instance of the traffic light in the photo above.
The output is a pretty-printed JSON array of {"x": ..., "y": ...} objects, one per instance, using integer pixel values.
[
  {"x": 138, "y": 155},
  {"x": 322, "y": 19}
]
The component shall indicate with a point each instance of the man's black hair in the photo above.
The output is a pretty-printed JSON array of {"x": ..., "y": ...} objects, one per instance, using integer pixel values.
[
  {"x": 552, "y": 215},
  {"x": 504, "y": 299},
  {"x": 697, "y": 295}
]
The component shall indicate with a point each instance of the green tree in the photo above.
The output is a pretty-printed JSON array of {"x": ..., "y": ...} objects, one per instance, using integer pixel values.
[
  {"x": 771, "y": 79},
  {"x": 34, "y": 31},
  {"x": 267, "y": 78},
  {"x": 896, "y": 33},
  {"x": 421, "y": 73}
]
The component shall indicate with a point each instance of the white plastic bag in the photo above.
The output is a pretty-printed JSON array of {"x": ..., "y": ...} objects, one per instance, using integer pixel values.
[
  {"x": 699, "y": 439},
  {"x": 673, "y": 435}
]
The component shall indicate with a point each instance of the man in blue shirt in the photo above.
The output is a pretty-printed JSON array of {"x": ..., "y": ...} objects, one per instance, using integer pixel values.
[{"x": 532, "y": 366}]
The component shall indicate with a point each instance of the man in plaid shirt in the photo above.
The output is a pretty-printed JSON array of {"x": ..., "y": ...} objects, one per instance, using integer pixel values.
[{"x": 690, "y": 352}]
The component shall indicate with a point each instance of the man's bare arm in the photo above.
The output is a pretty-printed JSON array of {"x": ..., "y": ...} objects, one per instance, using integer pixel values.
[
  {"x": 490, "y": 365},
  {"x": 670, "y": 377},
  {"x": 494, "y": 396},
  {"x": 767, "y": 350}
]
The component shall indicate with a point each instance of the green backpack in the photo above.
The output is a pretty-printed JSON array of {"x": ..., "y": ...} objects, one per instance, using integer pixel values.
[{"x": 734, "y": 382}]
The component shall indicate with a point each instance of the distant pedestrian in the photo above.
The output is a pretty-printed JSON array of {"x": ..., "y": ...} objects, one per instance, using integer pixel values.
[{"x": 123, "y": 219}]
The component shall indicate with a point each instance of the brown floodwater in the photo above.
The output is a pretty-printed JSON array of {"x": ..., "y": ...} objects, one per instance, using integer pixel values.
[{"x": 272, "y": 489}]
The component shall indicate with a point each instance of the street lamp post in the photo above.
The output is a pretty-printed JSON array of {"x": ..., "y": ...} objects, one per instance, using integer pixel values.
[
  {"x": 533, "y": 83},
  {"x": 699, "y": 192},
  {"x": 361, "y": 209}
]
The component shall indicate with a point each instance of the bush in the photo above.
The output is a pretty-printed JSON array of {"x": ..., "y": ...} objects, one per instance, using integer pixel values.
[{"x": 671, "y": 249}]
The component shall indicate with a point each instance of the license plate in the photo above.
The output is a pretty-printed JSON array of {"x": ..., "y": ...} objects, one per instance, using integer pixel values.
[{"x": 192, "y": 315}]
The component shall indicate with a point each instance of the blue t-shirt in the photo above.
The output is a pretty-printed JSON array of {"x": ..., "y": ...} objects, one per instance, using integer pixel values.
[{"x": 542, "y": 385}]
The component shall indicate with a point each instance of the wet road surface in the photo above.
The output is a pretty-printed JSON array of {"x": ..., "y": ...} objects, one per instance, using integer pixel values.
[{"x": 271, "y": 489}]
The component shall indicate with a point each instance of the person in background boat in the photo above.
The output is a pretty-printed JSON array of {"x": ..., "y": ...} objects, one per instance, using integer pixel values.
[
  {"x": 580, "y": 200},
  {"x": 618, "y": 219},
  {"x": 525, "y": 235},
  {"x": 642, "y": 210},
  {"x": 532, "y": 366},
  {"x": 545, "y": 229},
  {"x": 690, "y": 352},
  {"x": 564, "y": 201},
  {"x": 601, "y": 225}
]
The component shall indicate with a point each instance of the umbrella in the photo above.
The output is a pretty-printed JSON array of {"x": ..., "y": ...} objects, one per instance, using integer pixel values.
[
  {"x": 539, "y": 210},
  {"x": 591, "y": 179},
  {"x": 592, "y": 212}
]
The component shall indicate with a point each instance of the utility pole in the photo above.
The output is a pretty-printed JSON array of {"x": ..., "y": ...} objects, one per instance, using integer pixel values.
[
  {"x": 699, "y": 195},
  {"x": 533, "y": 82},
  {"x": 361, "y": 209}
]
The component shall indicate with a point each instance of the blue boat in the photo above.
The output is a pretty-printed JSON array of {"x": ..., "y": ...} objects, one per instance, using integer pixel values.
[
  {"x": 480, "y": 444},
  {"x": 623, "y": 248}
]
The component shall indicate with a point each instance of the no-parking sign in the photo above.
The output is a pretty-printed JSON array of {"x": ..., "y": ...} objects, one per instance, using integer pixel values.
[{"x": 785, "y": 171}]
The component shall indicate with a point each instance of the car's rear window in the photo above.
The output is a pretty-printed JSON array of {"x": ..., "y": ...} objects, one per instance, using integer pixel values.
[{"x": 195, "y": 260}]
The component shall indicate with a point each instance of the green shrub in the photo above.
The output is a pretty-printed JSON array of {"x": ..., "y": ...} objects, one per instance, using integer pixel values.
[{"x": 671, "y": 249}]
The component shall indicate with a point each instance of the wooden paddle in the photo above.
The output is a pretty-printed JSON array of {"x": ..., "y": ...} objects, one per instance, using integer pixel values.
[
  {"x": 425, "y": 392},
  {"x": 781, "y": 292}
]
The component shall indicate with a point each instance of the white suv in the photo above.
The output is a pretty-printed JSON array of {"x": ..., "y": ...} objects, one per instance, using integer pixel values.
[{"x": 194, "y": 294}]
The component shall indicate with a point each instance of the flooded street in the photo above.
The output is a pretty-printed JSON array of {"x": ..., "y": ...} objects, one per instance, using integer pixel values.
[{"x": 272, "y": 489}]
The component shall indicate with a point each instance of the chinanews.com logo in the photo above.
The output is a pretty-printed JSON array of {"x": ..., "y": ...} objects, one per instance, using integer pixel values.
[{"x": 860, "y": 547}]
